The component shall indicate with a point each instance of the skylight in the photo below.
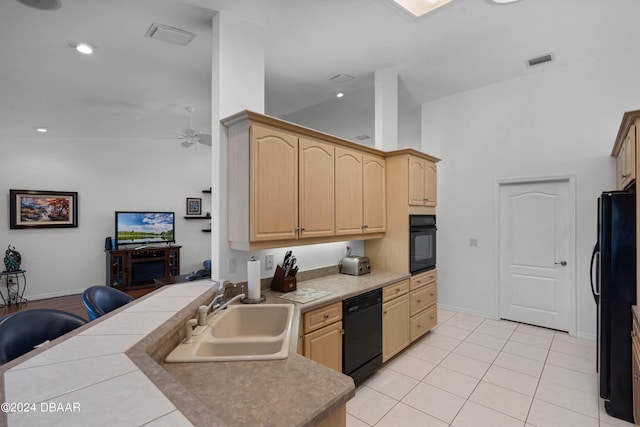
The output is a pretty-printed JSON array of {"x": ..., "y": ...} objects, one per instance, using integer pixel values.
[{"x": 420, "y": 7}]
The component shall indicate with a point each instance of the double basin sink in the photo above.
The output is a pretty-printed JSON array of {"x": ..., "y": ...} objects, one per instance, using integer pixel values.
[{"x": 240, "y": 332}]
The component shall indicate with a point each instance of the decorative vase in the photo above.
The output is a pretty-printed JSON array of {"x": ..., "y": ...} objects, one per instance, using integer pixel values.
[{"x": 12, "y": 259}]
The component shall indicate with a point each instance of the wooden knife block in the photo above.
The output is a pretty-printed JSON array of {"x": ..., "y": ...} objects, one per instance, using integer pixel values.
[{"x": 283, "y": 284}]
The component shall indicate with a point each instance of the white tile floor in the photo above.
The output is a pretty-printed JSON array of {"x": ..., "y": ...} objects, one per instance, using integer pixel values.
[{"x": 472, "y": 371}]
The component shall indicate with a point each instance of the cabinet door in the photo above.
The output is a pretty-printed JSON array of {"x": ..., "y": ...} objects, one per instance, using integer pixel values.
[
  {"x": 395, "y": 326},
  {"x": 348, "y": 186},
  {"x": 629, "y": 158},
  {"x": 325, "y": 346},
  {"x": 316, "y": 189},
  {"x": 274, "y": 184},
  {"x": 430, "y": 184},
  {"x": 423, "y": 322},
  {"x": 374, "y": 194},
  {"x": 416, "y": 181}
]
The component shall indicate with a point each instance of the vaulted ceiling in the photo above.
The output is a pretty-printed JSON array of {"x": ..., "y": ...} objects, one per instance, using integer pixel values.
[{"x": 134, "y": 86}]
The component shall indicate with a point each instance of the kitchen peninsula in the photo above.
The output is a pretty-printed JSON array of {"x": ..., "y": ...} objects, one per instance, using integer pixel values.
[{"x": 112, "y": 369}]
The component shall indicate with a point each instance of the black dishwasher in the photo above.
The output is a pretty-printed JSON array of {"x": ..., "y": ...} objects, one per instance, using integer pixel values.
[{"x": 362, "y": 339}]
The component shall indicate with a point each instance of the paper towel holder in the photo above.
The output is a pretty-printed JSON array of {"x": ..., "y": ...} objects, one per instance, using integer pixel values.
[{"x": 254, "y": 301}]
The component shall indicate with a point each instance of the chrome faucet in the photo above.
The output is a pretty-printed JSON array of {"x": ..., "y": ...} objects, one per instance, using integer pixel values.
[
  {"x": 203, "y": 310},
  {"x": 225, "y": 304}
]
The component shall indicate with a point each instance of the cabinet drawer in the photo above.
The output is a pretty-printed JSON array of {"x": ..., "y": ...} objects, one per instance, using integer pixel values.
[
  {"x": 423, "y": 298},
  {"x": 424, "y": 279},
  {"x": 423, "y": 323},
  {"x": 393, "y": 291},
  {"x": 323, "y": 316}
]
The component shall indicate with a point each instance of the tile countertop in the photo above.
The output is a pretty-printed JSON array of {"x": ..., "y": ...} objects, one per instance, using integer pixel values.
[{"x": 104, "y": 371}]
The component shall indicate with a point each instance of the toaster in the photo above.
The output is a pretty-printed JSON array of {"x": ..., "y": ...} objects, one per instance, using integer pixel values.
[{"x": 355, "y": 265}]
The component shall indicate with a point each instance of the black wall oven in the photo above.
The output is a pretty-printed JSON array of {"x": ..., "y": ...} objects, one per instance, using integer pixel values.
[{"x": 422, "y": 243}]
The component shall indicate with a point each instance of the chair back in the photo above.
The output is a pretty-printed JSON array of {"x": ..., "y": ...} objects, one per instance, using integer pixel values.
[
  {"x": 22, "y": 331},
  {"x": 100, "y": 300}
]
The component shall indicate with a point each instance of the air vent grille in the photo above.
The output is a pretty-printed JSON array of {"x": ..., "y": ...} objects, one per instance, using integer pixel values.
[
  {"x": 169, "y": 34},
  {"x": 363, "y": 137},
  {"x": 540, "y": 60}
]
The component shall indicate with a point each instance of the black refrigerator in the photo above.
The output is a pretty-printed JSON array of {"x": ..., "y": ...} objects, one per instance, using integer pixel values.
[{"x": 613, "y": 283}]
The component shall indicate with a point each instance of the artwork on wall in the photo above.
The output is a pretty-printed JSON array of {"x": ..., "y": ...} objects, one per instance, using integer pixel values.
[
  {"x": 42, "y": 209},
  {"x": 194, "y": 206}
]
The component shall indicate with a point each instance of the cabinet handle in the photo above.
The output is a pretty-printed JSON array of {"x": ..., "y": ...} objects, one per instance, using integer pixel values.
[
  {"x": 432, "y": 294},
  {"x": 299, "y": 229},
  {"x": 397, "y": 290},
  {"x": 419, "y": 301},
  {"x": 633, "y": 333},
  {"x": 326, "y": 316},
  {"x": 384, "y": 312},
  {"x": 364, "y": 226},
  {"x": 419, "y": 326}
]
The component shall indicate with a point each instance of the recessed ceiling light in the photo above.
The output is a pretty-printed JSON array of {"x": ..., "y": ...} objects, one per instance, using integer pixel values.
[
  {"x": 41, "y": 129},
  {"x": 85, "y": 48},
  {"x": 339, "y": 94}
]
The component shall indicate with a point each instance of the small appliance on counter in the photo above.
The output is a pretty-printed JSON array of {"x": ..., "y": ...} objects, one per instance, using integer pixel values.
[{"x": 355, "y": 265}]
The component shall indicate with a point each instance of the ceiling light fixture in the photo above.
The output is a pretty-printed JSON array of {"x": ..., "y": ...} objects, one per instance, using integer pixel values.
[
  {"x": 418, "y": 8},
  {"x": 41, "y": 129},
  {"x": 42, "y": 4},
  {"x": 501, "y": 2},
  {"x": 339, "y": 94}
]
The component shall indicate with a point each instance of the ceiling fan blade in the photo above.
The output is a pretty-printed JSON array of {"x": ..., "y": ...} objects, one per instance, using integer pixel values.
[
  {"x": 190, "y": 133},
  {"x": 204, "y": 139},
  {"x": 187, "y": 143}
]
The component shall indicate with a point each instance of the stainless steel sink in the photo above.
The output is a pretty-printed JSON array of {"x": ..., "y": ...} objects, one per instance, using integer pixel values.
[{"x": 241, "y": 332}]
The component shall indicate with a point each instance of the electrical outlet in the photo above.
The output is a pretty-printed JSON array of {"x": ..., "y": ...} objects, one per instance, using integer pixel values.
[
  {"x": 473, "y": 242},
  {"x": 232, "y": 265},
  {"x": 268, "y": 262}
]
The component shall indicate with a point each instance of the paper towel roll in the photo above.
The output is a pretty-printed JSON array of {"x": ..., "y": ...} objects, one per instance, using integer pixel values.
[{"x": 253, "y": 278}]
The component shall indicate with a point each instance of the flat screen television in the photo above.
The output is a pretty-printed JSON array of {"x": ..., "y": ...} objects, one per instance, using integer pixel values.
[{"x": 145, "y": 227}]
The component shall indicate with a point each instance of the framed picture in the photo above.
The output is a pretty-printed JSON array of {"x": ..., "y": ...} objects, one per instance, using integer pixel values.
[
  {"x": 43, "y": 209},
  {"x": 194, "y": 206}
]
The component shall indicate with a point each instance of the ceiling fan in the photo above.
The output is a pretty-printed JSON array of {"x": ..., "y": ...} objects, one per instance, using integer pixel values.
[{"x": 190, "y": 136}]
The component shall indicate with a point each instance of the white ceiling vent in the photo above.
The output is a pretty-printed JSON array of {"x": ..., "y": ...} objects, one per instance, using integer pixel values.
[
  {"x": 169, "y": 34},
  {"x": 363, "y": 137},
  {"x": 341, "y": 78},
  {"x": 540, "y": 60}
]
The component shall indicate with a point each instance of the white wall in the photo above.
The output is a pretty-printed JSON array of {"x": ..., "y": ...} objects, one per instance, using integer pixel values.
[
  {"x": 109, "y": 175},
  {"x": 353, "y": 115},
  {"x": 557, "y": 120}
]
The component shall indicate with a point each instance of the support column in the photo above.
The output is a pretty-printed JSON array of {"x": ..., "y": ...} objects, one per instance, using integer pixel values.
[
  {"x": 237, "y": 83},
  {"x": 386, "y": 109}
]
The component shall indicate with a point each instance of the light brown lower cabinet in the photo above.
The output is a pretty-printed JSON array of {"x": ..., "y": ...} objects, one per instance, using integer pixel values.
[
  {"x": 424, "y": 296},
  {"x": 395, "y": 319},
  {"x": 322, "y": 339}
]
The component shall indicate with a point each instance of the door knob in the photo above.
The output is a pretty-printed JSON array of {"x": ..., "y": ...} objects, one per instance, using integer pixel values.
[{"x": 562, "y": 263}]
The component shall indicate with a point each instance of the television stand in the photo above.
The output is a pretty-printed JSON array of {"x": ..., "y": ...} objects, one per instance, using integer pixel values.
[{"x": 136, "y": 268}]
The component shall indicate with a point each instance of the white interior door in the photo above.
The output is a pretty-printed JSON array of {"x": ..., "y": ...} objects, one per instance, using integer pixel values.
[{"x": 536, "y": 259}]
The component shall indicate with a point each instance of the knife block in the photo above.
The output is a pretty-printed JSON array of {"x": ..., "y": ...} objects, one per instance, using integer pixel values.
[{"x": 283, "y": 284}]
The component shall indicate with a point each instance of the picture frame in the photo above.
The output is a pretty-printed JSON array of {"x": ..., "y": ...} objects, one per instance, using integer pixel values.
[
  {"x": 43, "y": 209},
  {"x": 194, "y": 206}
]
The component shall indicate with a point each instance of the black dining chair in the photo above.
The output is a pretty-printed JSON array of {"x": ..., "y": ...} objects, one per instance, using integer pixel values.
[
  {"x": 22, "y": 331},
  {"x": 100, "y": 300}
]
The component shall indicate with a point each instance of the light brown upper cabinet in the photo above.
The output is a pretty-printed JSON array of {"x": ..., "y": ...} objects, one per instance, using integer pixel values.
[
  {"x": 291, "y": 187},
  {"x": 624, "y": 150},
  {"x": 423, "y": 189},
  {"x": 274, "y": 185},
  {"x": 626, "y": 160},
  {"x": 288, "y": 185},
  {"x": 316, "y": 189},
  {"x": 360, "y": 192}
]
